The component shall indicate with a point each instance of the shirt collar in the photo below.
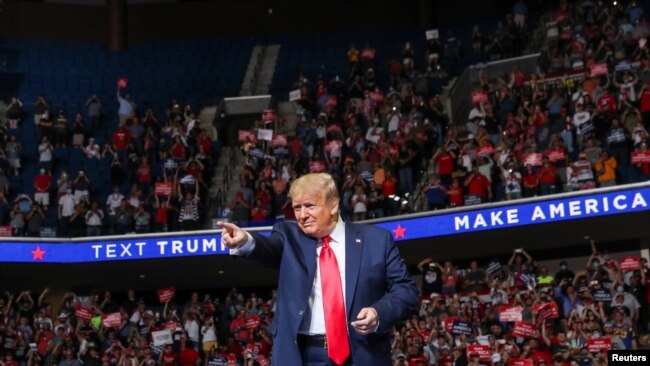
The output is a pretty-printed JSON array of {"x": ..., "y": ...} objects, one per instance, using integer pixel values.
[{"x": 338, "y": 234}]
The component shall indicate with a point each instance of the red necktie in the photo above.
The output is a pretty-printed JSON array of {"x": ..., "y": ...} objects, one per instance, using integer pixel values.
[{"x": 338, "y": 346}]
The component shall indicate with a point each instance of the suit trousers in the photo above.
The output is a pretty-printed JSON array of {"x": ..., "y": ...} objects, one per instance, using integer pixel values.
[{"x": 317, "y": 356}]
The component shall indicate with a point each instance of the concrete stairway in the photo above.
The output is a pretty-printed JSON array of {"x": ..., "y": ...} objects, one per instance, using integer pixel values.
[{"x": 261, "y": 67}]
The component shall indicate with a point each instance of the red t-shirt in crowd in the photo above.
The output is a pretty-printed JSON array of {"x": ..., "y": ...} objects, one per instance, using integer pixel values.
[
  {"x": 42, "y": 182},
  {"x": 263, "y": 346},
  {"x": 169, "y": 359},
  {"x": 178, "y": 152},
  {"x": 43, "y": 340},
  {"x": 120, "y": 139},
  {"x": 189, "y": 357},
  {"x": 530, "y": 180},
  {"x": 445, "y": 164},
  {"x": 607, "y": 103},
  {"x": 388, "y": 186},
  {"x": 547, "y": 177},
  {"x": 258, "y": 214},
  {"x": 206, "y": 143},
  {"x": 295, "y": 146},
  {"x": 455, "y": 196},
  {"x": 195, "y": 171},
  {"x": 162, "y": 214},
  {"x": 478, "y": 186},
  {"x": 238, "y": 328},
  {"x": 144, "y": 173}
]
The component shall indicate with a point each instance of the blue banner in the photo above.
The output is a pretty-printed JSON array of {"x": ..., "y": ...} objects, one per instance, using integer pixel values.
[
  {"x": 515, "y": 215},
  {"x": 457, "y": 222},
  {"x": 122, "y": 248}
]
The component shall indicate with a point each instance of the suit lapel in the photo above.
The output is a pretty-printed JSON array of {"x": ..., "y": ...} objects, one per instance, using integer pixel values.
[
  {"x": 309, "y": 258},
  {"x": 353, "y": 250}
]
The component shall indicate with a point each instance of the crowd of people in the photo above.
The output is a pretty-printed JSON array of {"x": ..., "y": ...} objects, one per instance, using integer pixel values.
[
  {"x": 493, "y": 314},
  {"x": 519, "y": 309},
  {"x": 577, "y": 127},
  {"x": 583, "y": 124},
  {"x": 158, "y": 167},
  {"x": 526, "y": 135},
  {"x": 573, "y": 128}
]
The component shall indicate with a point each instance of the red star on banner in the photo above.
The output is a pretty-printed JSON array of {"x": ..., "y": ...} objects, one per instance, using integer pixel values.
[
  {"x": 399, "y": 232},
  {"x": 38, "y": 254}
]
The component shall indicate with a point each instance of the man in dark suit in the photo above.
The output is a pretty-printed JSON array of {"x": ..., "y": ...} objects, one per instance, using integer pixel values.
[{"x": 342, "y": 286}]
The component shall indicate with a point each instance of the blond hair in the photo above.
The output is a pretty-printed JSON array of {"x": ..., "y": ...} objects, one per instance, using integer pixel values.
[{"x": 315, "y": 183}]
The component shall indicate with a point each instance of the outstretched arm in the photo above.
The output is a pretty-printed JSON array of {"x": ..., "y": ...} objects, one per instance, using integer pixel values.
[{"x": 264, "y": 250}]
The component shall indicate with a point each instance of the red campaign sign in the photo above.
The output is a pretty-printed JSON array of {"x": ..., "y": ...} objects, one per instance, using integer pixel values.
[
  {"x": 171, "y": 326},
  {"x": 164, "y": 189},
  {"x": 316, "y": 167},
  {"x": 533, "y": 159},
  {"x": 166, "y": 294},
  {"x": 547, "y": 310},
  {"x": 521, "y": 362},
  {"x": 485, "y": 150},
  {"x": 630, "y": 263},
  {"x": 599, "y": 344},
  {"x": 83, "y": 313},
  {"x": 269, "y": 115},
  {"x": 333, "y": 145},
  {"x": 5, "y": 231},
  {"x": 483, "y": 352},
  {"x": 121, "y": 82},
  {"x": 599, "y": 69},
  {"x": 243, "y": 134},
  {"x": 556, "y": 155},
  {"x": 112, "y": 320},
  {"x": 279, "y": 140},
  {"x": 641, "y": 157},
  {"x": 479, "y": 97},
  {"x": 252, "y": 322},
  {"x": 510, "y": 314},
  {"x": 449, "y": 323},
  {"x": 525, "y": 330}
]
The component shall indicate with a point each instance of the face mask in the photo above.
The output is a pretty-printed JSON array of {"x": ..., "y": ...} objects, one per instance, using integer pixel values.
[
  {"x": 595, "y": 264},
  {"x": 619, "y": 288},
  {"x": 563, "y": 267}
]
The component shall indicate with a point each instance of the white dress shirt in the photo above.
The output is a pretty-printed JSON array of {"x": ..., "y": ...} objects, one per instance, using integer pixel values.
[{"x": 313, "y": 322}]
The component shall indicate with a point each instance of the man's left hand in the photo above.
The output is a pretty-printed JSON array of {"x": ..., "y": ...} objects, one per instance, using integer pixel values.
[{"x": 366, "y": 322}]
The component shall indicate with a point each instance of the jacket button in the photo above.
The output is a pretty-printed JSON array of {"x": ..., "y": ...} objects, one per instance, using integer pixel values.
[{"x": 301, "y": 312}]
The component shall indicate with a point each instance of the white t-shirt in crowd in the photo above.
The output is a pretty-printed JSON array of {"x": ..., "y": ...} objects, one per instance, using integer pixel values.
[{"x": 114, "y": 201}]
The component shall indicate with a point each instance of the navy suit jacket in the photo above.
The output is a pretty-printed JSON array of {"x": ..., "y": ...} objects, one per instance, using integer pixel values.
[{"x": 375, "y": 276}]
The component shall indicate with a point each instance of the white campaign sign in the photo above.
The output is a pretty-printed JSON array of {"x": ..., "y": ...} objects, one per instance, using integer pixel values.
[{"x": 162, "y": 337}]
